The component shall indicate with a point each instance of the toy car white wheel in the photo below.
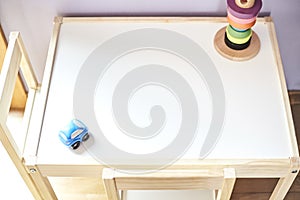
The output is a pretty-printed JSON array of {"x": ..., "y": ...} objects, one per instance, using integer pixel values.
[
  {"x": 85, "y": 137},
  {"x": 75, "y": 145}
]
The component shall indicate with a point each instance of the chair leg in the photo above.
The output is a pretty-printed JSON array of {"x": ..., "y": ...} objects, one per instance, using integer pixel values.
[
  {"x": 228, "y": 184},
  {"x": 110, "y": 184},
  {"x": 124, "y": 195},
  {"x": 42, "y": 183}
]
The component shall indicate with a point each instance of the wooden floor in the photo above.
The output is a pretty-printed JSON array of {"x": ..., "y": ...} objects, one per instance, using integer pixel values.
[{"x": 92, "y": 189}]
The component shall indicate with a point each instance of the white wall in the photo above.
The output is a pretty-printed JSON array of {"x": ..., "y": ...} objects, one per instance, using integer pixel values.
[{"x": 34, "y": 18}]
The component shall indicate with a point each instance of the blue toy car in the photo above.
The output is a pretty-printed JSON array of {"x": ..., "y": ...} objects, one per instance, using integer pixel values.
[{"x": 73, "y": 134}]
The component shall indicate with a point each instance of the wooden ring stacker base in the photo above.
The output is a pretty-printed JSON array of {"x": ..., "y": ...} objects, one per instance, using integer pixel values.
[
  {"x": 236, "y": 55},
  {"x": 245, "y": 3}
]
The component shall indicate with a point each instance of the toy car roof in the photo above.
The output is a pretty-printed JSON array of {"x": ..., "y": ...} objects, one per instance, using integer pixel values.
[{"x": 74, "y": 125}]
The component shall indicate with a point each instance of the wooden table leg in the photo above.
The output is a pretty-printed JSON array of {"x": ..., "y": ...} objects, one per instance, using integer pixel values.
[
  {"x": 285, "y": 183},
  {"x": 42, "y": 183}
]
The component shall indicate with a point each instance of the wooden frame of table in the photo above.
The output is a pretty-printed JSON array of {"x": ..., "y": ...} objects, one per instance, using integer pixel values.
[{"x": 286, "y": 169}]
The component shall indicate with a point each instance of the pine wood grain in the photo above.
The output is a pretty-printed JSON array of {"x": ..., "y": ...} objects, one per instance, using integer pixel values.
[
  {"x": 3, "y": 46},
  {"x": 19, "y": 96},
  {"x": 78, "y": 188}
]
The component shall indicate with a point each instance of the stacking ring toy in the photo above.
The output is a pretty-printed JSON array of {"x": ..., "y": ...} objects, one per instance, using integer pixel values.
[
  {"x": 240, "y": 26},
  {"x": 237, "y": 40},
  {"x": 239, "y": 20},
  {"x": 238, "y": 34},
  {"x": 244, "y": 13},
  {"x": 236, "y": 46},
  {"x": 239, "y": 30},
  {"x": 245, "y": 3}
]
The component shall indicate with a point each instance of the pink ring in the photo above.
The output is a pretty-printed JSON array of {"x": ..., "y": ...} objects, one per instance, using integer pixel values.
[
  {"x": 244, "y": 13},
  {"x": 240, "y": 26},
  {"x": 239, "y": 20}
]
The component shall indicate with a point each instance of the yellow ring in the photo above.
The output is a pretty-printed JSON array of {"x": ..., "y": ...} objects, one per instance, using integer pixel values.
[{"x": 237, "y": 40}]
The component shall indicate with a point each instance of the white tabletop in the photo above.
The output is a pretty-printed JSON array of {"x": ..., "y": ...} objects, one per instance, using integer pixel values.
[{"x": 255, "y": 124}]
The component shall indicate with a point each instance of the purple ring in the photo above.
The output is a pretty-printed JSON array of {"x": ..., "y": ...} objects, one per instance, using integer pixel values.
[{"x": 244, "y": 13}]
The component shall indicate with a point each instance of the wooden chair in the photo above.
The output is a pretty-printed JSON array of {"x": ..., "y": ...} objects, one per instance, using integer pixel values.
[
  {"x": 169, "y": 184},
  {"x": 16, "y": 62}
]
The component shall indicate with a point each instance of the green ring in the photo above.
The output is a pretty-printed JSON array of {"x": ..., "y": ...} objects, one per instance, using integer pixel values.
[
  {"x": 237, "y": 40},
  {"x": 238, "y": 34}
]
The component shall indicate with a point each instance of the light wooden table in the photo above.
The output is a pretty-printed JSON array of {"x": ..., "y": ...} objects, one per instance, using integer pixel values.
[{"x": 257, "y": 138}]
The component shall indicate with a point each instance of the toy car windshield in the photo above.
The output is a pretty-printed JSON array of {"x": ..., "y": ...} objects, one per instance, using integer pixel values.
[{"x": 75, "y": 133}]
